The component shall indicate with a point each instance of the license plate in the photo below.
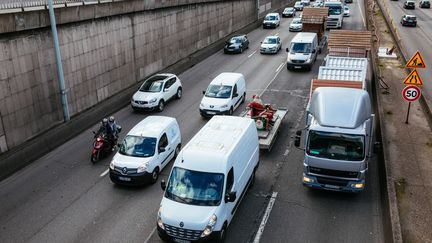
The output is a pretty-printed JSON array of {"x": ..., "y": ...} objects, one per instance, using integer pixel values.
[
  {"x": 211, "y": 113},
  {"x": 332, "y": 186},
  {"x": 297, "y": 66},
  {"x": 124, "y": 178},
  {"x": 180, "y": 240}
]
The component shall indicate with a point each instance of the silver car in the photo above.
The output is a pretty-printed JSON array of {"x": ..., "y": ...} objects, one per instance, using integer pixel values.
[
  {"x": 271, "y": 45},
  {"x": 296, "y": 25}
]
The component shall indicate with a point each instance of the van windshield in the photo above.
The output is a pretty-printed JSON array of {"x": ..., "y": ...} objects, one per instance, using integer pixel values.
[
  {"x": 137, "y": 146},
  {"x": 336, "y": 146},
  {"x": 195, "y": 187},
  {"x": 271, "y": 17},
  {"x": 218, "y": 91},
  {"x": 300, "y": 48},
  {"x": 334, "y": 10}
]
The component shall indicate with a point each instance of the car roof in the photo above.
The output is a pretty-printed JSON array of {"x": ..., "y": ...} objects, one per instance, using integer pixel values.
[
  {"x": 227, "y": 78},
  {"x": 160, "y": 76},
  {"x": 272, "y": 14},
  {"x": 410, "y": 16},
  {"x": 272, "y": 37},
  {"x": 151, "y": 126}
]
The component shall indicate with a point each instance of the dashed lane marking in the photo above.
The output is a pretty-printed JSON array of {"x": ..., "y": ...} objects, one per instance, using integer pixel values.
[
  {"x": 151, "y": 234},
  {"x": 265, "y": 218},
  {"x": 252, "y": 53},
  {"x": 104, "y": 173}
]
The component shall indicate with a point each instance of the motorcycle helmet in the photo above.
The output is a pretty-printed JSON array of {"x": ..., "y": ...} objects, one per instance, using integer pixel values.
[
  {"x": 111, "y": 119},
  {"x": 104, "y": 121}
]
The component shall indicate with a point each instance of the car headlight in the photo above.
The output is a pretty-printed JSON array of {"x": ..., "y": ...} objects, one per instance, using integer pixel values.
[
  {"x": 202, "y": 105},
  {"x": 307, "y": 179},
  {"x": 210, "y": 226},
  {"x": 142, "y": 168},
  {"x": 308, "y": 60},
  {"x": 159, "y": 220},
  {"x": 112, "y": 165},
  {"x": 152, "y": 100}
]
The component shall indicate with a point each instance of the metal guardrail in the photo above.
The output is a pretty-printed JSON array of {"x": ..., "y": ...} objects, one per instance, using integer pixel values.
[{"x": 21, "y": 5}]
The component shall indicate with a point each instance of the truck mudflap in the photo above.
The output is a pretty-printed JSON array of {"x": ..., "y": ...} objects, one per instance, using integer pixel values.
[{"x": 329, "y": 184}]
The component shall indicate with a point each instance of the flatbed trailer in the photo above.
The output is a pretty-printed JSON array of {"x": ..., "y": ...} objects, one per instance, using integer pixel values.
[{"x": 268, "y": 137}]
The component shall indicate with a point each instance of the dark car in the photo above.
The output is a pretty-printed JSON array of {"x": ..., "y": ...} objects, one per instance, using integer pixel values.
[
  {"x": 409, "y": 20},
  {"x": 236, "y": 44},
  {"x": 348, "y": 1},
  {"x": 424, "y": 4},
  {"x": 289, "y": 12},
  {"x": 409, "y": 4}
]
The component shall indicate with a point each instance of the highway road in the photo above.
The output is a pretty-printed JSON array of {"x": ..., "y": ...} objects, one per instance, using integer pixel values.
[
  {"x": 63, "y": 197},
  {"x": 418, "y": 38}
]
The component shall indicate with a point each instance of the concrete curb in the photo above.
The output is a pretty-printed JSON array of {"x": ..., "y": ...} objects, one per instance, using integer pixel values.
[
  {"x": 24, "y": 154},
  {"x": 391, "y": 221}
]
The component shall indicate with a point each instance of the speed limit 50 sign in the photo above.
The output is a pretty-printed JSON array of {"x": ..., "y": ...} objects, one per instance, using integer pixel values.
[{"x": 411, "y": 93}]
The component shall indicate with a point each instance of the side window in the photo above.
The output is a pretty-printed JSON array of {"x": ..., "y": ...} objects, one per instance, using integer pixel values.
[
  {"x": 235, "y": 89},
  {"x": 230, "y": 180},
  {"x": 169, "y": 83},
  {"x": 163, "y": 142}
]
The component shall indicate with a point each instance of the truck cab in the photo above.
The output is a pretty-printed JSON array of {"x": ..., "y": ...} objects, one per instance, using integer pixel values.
[
  {"x": 335, "y": 17},
  {"x": 338, "y": 139}
]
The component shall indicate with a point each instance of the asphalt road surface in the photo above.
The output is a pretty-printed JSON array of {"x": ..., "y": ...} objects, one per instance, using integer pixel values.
[
  {"x": 63, "y": 197},
  {"x": 416, "y": 38}
]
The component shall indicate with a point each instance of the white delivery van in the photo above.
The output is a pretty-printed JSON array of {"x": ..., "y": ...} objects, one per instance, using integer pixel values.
[
  {"x": 208, "y": 180},
  {"x": 146, "y": 150},
  {"x": 271, "y": 20},
  {"x": 224, "y": 94},
  {"x": 303, "y": 51}
]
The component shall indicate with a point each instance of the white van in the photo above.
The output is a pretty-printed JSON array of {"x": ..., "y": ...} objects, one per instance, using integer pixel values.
[
  {"x": 224, "y": 94},
  {"x": 208, "y": 180},
  {"x": 303, "y": 51},
  {"x": 271, "y": 20},
  {"x": 146, "y": 150}
]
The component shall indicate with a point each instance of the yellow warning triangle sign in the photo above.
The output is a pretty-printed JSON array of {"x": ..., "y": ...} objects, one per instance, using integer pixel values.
[
  {"x": 416, "y": 61},
  {"x": 413, "y": 79}
]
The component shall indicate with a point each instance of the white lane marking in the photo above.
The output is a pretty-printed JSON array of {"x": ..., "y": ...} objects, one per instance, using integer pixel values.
[
  {"x": 271, "y": 81},
  {"x": 280, "y": 66},
  {"x": 265, "y": 217},
  {"x": 361, "y": 13},
  {"x": 276, "y": 34},
  {"x": 252, "y": 53},
  {"x": 151, "y": 234},
  {"x": 104, "y": 173}
]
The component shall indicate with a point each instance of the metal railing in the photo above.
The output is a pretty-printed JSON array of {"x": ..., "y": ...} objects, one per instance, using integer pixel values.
[{"x": 23, "y": 4}]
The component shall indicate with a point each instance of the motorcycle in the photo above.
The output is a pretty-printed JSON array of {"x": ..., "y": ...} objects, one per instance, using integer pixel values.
[{"x": 102, "y": 146}]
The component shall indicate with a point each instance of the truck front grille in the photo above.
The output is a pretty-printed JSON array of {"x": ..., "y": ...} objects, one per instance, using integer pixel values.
[
  {"x": 336, "y": 173},
  {"x": 181, "y": 233},
  {"x": 327, "y": 181}
]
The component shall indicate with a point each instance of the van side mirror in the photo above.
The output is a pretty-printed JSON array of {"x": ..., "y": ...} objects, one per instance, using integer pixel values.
[
  {"x": 287, "y": 49},
  {"x": 297, "y": 138},
  {"x": 313, "y": 51},
  {"x": 166, "y": 90},
  {"x": 230, "y": 196},
  {"x": 161, "y": 150},
  {"x": 203, "y": 92},
  {"x": 235, "y": 95},
  {"x": 163, "y": 185}
]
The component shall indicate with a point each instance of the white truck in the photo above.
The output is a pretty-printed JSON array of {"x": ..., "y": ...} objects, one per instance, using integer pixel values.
[
  {"x": 336, "y": 11},
  {"x": 338, "y": 139}
]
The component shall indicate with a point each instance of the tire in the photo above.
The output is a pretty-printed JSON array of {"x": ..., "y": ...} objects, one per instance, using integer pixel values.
[
  {"x": 155, "y": 175},
  {"x": 252, "y": 183},
  {"x": 177, "y": 151},
  {"x": 179, "y": 93},
  {"x": 161, "y": 106},
  {"x": 230, "y": 111},
  {"x": 241, "y": 50},
  {"x": 244, "y": 98},
  {"x": 95, "y": 157},
  {"x": 222, "y": 234}
]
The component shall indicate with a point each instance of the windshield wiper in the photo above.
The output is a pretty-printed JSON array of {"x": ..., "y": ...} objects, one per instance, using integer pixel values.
[{"x": 181, "y": 199}]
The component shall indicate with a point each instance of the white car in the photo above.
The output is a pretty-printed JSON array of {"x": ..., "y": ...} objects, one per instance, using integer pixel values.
[
  {"x": 305, "y": 2},
  {"x": 271, "y": 44},
  {"x": 298, "y": 6},
  {"x": 156, "y": 91},
  {"x": 346, "y": 11},
  {"x": 296, "y": 25},
  {"x": 317, "y": 4}
]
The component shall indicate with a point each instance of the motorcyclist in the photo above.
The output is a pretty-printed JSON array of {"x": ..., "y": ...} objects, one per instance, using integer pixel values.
[
  {"x": 103, "y": 129},
  {"x": 112, "y": 131}
]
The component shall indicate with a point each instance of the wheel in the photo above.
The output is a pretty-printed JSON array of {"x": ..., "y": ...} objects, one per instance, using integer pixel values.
[
  {"x": 155, "y": 175},
  {"x": 252, "y": 183},
  {"x": 177, "y": 151},
  {"x": 179, "y": 93},
  {"x": 161, "y": 106},
  {"x": 230, "y": 111},
  {"x": 222, "y": 234},
  {"x": 95, "y": 157},
  {"x": 241, "y": 50},
  {"x": 243, "y": 98}
]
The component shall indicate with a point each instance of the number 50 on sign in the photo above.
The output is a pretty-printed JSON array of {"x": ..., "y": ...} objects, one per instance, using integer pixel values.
[{"x": 411, "y": 93}]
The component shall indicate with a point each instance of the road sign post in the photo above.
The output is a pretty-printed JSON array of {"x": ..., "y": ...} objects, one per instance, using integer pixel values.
[{"x": 410, "y": 93}]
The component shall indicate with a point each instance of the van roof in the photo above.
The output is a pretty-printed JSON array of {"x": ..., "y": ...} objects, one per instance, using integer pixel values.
[
  {"x": 151, "y": 126},
  {"x": 304, "y": 37},
  {"x": 227, "y": 78},
  {"x": 210, "y": 147}
]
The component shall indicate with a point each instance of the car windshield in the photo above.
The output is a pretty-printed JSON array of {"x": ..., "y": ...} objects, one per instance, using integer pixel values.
[
  {"x": 235, "y": 40},
  {"x": 346, "y": 8},
  {"x": 270, "y": 41},
  {"x": 137, "y": 146},
  {"x": 195, "y": 187},
  {"x": 336, "y": 146},
  {"x": 153, "y": 84},
  {"x": 334, "y": 10},
  {"x": 271, "y": 17},
  {"x": 288, "y": 10},
  {"x": 300, "y": 48},
  {"x": 218, "y": 91},
  {"x": 296, "y": 21}
]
